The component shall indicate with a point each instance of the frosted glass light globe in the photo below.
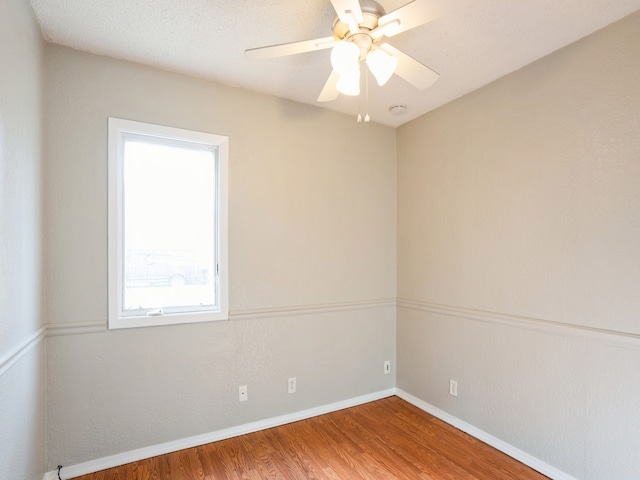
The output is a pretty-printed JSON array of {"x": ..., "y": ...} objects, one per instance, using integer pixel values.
[{"x": 345, "y": 57}]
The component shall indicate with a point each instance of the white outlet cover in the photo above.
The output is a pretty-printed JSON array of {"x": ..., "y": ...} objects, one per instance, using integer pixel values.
[
  {"x": 387, "y": 366},
  {"x": 453, "y": 388},
  {"x": 243, "y": 394}
]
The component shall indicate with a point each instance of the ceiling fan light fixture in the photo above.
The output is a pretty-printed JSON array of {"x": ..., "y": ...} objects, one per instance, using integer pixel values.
[
  {"x": 345, "y": 57},
  {"x": 349, "y": 84},
  {"x": 382, "y": 65},
  {"x": 357, "y": 31}
]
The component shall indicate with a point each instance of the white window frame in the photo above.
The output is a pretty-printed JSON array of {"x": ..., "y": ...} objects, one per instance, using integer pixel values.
[{"x": 117, "y": 130}]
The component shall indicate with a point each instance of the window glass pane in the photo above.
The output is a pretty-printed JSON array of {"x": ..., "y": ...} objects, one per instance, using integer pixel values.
[{"x": 169, "y": 226}]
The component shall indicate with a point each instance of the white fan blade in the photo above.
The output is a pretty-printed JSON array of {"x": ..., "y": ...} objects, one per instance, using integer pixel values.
[
  {"x": 284, "y": 49},
  {"x": 349, "y": 12},
  {"x": 415, "y": 14},
  {"x": 417, "y": 74},
  {"x": 329, "y": 91}
]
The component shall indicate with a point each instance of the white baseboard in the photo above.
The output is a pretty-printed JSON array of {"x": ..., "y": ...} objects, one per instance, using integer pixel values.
[
  {"x": 175, "y": 445},
  {"x": 487, "y": 438}
]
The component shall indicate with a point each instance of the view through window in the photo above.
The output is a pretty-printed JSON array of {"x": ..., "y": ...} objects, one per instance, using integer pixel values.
[{"x": 168, "y": 229}]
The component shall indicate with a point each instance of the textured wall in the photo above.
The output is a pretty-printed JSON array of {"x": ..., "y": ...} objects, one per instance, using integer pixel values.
[
  {"x": 21, "y": 381},
  {"x": 523, "y": 200},
  {"x": 311, "y": 223}
]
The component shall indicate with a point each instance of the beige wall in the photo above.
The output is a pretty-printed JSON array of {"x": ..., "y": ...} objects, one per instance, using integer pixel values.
[
  {"x": 517, "y": 205},
  {"x": 311, "y": 226},
  {"x": 21, "y": 360},
  {"x": 522, "y": 199}
]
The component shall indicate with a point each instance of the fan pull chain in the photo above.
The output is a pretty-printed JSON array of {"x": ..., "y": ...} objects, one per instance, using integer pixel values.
[
  {"x": 367, "y": 119},
  {"x": 359, "y": 119}
]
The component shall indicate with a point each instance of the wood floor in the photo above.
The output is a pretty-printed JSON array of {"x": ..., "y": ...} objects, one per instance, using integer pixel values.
[{"x": 385, "y": 439}]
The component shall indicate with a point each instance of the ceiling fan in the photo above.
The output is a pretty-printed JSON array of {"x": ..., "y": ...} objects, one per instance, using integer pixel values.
[{"x": 358, "y": 34}]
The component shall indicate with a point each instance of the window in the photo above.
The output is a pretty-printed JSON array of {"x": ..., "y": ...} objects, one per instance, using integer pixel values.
[{"x": 167, "y": 225}]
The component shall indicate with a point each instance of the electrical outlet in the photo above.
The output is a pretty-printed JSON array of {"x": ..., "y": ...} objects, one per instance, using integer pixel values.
[
  {"x": 291, "y": 386},
  {"x": 387, "y": 366},
  {"x": 243, "y": 395},
  {"x": 453, "y": 388}
]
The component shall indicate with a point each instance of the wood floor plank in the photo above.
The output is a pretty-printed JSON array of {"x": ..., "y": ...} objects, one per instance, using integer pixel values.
[{"x": 388, "y": 439}]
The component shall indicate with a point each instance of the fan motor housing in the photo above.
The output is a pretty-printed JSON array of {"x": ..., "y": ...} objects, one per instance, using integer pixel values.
[{"x": 371, "y": 12}]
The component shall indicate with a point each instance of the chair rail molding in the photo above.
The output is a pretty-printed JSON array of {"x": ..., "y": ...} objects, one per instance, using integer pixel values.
[
  {"x": 16, "y": 353},
  {"x": 610, "y": 337}
]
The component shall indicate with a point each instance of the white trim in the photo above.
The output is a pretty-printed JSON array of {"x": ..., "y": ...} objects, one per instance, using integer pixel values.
[
  {"x": 16, "y": 353},
  {"x": 118, "y": 316},
  {"x": 487, "y": 438},
  {"x": 79, "y": 328},
  {"x": 111, "y": 461},
  {"x": 189, "y": 442},
  {"x": 75, "y": 328},
  {"x": 611, "y": 337},
  {"x": 555, "y": 328},
  {"x": 310, "y": 309}
]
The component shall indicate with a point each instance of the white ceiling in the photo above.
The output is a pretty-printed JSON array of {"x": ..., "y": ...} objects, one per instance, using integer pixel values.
[{"x": 478, "y": 42}]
